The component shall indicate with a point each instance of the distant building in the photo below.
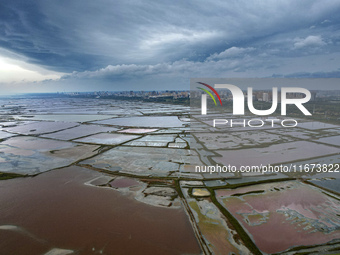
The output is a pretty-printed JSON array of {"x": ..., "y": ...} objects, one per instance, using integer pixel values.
[{"x": 265, "y": 97}]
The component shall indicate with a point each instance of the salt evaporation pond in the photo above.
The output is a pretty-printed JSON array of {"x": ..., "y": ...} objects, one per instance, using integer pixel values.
[
  {"x": 66, "y": 117},
  {"x": 144, "y": 121},
  {"x": 79, "y": 131},
  {"x": 279, "y": 216},
  {"x": 123, "y": 182},
  {"x": 57, "y": 210},
  {"x": 40, "y": 127},
  {"x": 107, "y": 138},
  {"x": 274, "y": 154}
]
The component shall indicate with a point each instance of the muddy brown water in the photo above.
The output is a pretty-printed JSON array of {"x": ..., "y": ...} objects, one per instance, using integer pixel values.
[
  {"x": 56, "y": 209},
  {"x": 123, "y": 183}
]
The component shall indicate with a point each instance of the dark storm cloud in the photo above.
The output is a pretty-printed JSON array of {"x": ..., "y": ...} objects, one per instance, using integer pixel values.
[{"x": 108, "y": 39}]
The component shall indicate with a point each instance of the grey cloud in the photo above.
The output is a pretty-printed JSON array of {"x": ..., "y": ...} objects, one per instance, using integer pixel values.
[
  {"x": 231, "y": 53},
  {"x": 309, "y": 41},
  {"x": 85, "y": 35},
  {"x": 332, "y": 74},
  {"x": 127, "y": 40}
]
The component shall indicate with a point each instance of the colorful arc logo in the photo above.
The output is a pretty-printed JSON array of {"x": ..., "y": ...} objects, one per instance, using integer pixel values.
[{"x": 213, "y": 90}]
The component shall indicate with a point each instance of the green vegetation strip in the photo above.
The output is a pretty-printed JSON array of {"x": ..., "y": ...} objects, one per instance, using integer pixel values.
[
  {"x": 240, "y": 185},
  {"x": 247, "y": 193},
  {"x": 6, "y": 176},
  {"x": 335, "y": 249},
  {"x": 305, "y": 247}
]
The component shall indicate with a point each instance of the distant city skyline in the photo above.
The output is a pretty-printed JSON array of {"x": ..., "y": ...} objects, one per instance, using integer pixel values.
[{"x": 50, "y": 46}]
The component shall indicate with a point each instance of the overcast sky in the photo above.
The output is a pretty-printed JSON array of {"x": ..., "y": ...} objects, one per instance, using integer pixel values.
[{"x": 83, "y": 45}]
